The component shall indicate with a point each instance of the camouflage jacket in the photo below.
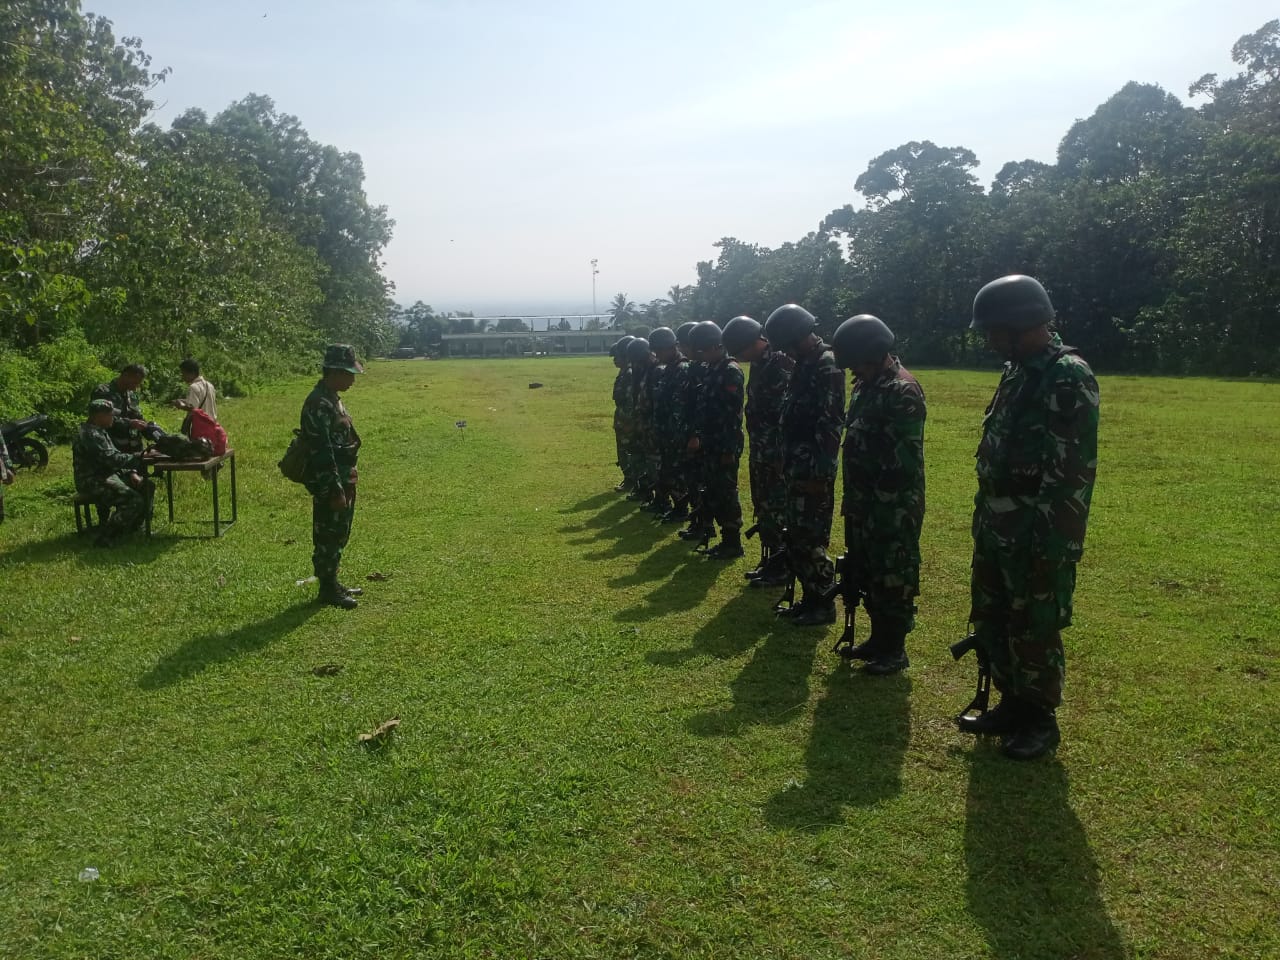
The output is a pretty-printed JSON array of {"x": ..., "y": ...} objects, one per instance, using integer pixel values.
[
  {"x": 95, "y": 458},
  {"x": 126, "y": 404},
  {"x": 766, "y": 391},
  {"x": 622, "y": 394},
  {"x": 718, "y": 410},
  {"x": 333, "y": 446},
  {"x": 643, "y": 381},
  {"x": 694, "y": 375},
  {"x": 813, "y": 417},
  {"x": 1038, "y": 456},
  {"x": 669, "y": 399},
  {"x": 884, "y": 450}
]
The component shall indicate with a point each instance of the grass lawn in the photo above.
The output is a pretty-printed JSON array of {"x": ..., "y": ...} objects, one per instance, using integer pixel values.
[{"x": 608, "y": 748}]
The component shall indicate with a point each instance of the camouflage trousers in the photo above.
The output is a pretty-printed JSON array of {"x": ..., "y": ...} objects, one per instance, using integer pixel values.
[
  {"x": 644, "y": 458},
  {"x": 1019, "y": 608},
  {"x": 885, "y": 564},
  {"x": 694, "y": 471},
  {"x": 768, "y": 496},
  {"x": 129, "y": 507},
  {"x": 671, "y": 470},
  {"x": 620, "y": 445},
  {"x": 810, "y": 504},
  {"x": 720, "y": 490},
  {"x": 330, "y": 530}
]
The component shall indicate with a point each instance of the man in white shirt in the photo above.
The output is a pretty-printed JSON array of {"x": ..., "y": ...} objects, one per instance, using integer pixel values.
[{"x": 200, "y": 392}]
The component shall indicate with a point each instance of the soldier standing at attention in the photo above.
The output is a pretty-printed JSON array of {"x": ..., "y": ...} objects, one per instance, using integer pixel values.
[
  {"x": 694, "y": 463},
  {"x": 718, "y": 438},
  {"x": 644, "y": 450},
  {"x": 108, "y": 476},
  {"x": 668, "y": 409},
  {"x": 1037, "y": 461},
  {"x": 333, "y": 447},
  {"x": 622, "y": 411},
  {"x": 883, "y": 490},
  {"x": 812, "y": 420},
  {"x": 770, "y": 374}
]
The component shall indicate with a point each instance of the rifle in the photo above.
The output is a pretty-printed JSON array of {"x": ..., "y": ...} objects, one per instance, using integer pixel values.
[
  {"x": 848, "y": 587},
  {"x": 982, "y": 697},
  {"x": 787, "y": 602}
]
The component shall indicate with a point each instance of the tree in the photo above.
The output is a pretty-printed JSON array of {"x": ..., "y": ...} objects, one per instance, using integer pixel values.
[{"x": 622, "y": 310}]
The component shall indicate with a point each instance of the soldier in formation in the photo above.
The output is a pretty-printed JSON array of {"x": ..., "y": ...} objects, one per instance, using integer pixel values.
[
  {"x": 1036, "y": 466},
  {"x": 883, "y": 504},
  {"x": 622, "y": 413},
  {"x": 668, "y": 416},
  {"x": 333, "y": 447},
  {"x": 717, "y": 439},
  {"x": 770, "y": 376},
  {"x": 810, "y": 423}
]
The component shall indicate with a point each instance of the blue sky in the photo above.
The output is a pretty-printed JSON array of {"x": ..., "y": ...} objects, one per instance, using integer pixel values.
[{"x": 513, "y": 142}]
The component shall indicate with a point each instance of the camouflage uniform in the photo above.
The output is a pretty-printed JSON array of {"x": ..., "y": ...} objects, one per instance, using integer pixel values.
[
  {"x": 766, "y": 390},
  {"x": 693, "y": 461},
  {"x": 1036, "y": 466},
  {"x": 883, "y": 503},
  {"x": 101, "y": 470},
  {"x": 333, "y": 447},
  {"x": 718, "y": 426},
  {"x": 811, "y": 422},
  {"x": 668, "y": 419},
  {"x": 622, "y": 420},
  {"x": 125, "y": 402},
  {"x": 644, "y": 440}
]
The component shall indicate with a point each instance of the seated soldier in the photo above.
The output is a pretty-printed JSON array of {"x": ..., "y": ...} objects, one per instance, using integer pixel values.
[
  {"x": 130, "y": 426},
  {"x": 110, "y": 477}
]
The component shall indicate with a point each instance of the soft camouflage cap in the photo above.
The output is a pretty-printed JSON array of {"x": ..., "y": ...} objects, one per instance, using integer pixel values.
[
  {"x": 100, "y": 406},
  {"x": 342, "y": 356}
]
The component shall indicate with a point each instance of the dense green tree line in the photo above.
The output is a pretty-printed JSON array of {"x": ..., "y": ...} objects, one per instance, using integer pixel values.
[
  {"x": 1157, "y": 232},
  {"x": 236, "y": 239}
]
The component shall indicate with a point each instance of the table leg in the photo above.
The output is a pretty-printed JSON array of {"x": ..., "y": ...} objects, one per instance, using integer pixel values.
[
  {"x": 168, "y": 487},
  {"x": 234, "y": 514},
  {"x": 217, "y": 530}
]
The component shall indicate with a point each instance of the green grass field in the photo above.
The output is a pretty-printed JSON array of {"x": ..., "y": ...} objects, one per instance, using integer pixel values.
[{"x": 608, "y": 748}]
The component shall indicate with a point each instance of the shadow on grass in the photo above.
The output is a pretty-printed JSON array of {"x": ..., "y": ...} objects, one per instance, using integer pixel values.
[
  {"x": 1032, "y": 880},
  {"x": 135, "y": 549},
  {"x": 658, "y": 564},
  {"x": 861, "y": 727},
  {"x": 591, "y": 503},
  {"x": 608, "y": 517},
  {"x": 200, "y": 653},
  {"x": 631, "y": 535},
  {"x": 689, "y": 584}
]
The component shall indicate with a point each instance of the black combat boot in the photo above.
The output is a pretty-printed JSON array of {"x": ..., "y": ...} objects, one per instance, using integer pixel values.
[
  {"x": 1037, "y": 733},
  {"x": 1002, "y": 719},
  {"x": 889, "y": 654},
  {"x": 776, "y": 571},
  {"x": 678, "y": 513},
  {"x": 331, "y": 595},
  {"x": 815, "y": 612},
  {"x": 729, "y": 547},
  {"x": 764, "y": 561},
  {"x": 350, "y": 591}
]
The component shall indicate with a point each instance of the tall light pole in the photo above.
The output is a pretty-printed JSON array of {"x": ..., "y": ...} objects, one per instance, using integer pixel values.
[{"x": 594, "y": 270}]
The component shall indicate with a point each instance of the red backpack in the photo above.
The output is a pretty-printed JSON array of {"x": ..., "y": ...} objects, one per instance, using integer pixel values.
[{"x": 204, "y": 427}]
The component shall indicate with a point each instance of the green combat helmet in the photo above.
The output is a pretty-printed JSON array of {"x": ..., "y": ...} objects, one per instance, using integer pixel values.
[
  {"x": 861, "y": 339},
  {"x": 683, "y": 331},
  {"x": 1015, "y": 303},
  {"x": 638, "y": 351},
  {"x": 342, "y": 356},
  {"x": 705, "y": 336},
  {"x": 740, "y": 333},
  {"x": 664, "y": 338},
  {"x": 619, "y": 348},
  {"x": 788, "y": 325}
]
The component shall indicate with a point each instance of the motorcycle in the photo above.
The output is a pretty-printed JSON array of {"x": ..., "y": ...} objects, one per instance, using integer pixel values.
[{"x": 25, "y": 450}]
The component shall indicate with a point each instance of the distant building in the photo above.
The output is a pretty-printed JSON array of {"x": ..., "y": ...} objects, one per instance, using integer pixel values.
[{"x": 544, "y": 343}]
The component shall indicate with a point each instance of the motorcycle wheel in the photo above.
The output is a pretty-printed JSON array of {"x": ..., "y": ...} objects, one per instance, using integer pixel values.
[{"x": 29, "y": 453}]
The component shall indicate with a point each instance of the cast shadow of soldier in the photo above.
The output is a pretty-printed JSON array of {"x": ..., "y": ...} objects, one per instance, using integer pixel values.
[
  {"x": 861, "y": 727},
  {"x": 136, "y": 549},
  {"x": 1032, "y": 879},
  {"x": 632, "y": 531},
  {"x": 199, "y": 653}
]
